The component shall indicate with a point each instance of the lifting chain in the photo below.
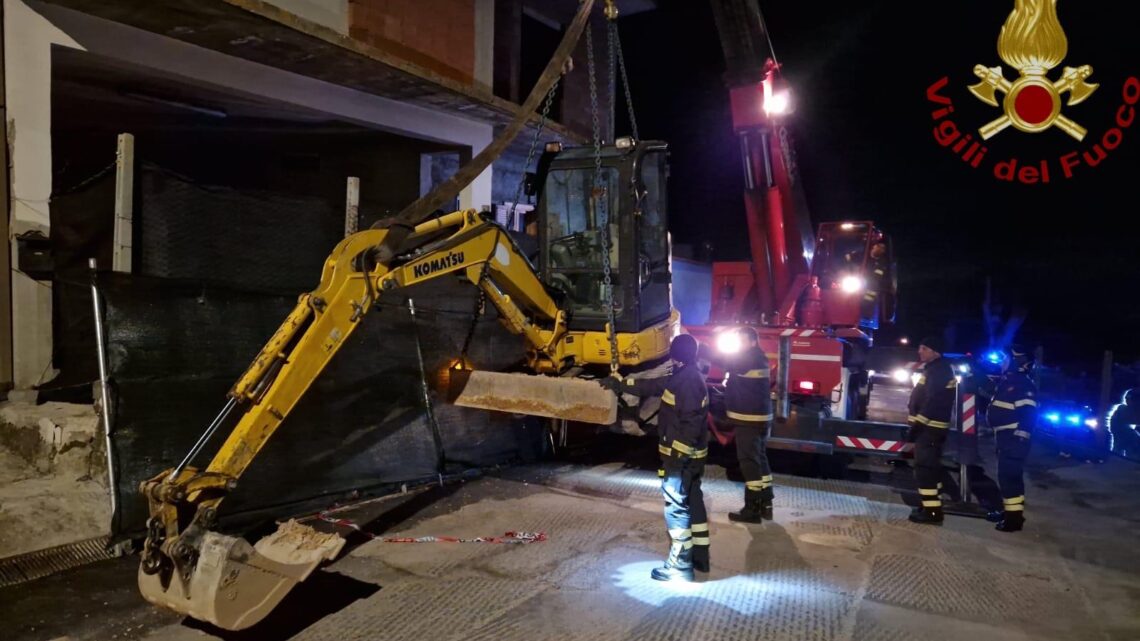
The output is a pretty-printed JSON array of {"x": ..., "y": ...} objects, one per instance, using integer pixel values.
[
  {"x": 615, "y": 52},
  {"x": 481, "y": 299},
  {"x": 530, "y": 154},
  {"x": 600, "y": 198}
]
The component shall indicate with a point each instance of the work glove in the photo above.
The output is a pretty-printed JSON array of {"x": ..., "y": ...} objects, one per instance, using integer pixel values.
[{"x": 612, "y": 383}]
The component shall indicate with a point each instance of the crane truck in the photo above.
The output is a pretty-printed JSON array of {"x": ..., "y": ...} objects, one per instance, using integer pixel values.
[{"x": 814, "y": 298}]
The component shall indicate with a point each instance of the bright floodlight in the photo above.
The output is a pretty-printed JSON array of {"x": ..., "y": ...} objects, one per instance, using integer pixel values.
[
  {"x": 729, "y": 342},
  {"x": 777, "y": 103},
  {"x": 900, "y": 375},
  {"x": 851, "y": 284}
]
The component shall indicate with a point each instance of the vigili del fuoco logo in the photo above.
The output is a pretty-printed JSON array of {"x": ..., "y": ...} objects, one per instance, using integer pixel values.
[{"x": 1032, "y": 43}]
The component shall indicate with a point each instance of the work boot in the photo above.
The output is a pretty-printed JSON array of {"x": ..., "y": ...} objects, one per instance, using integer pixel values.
[
  {"x": 766, "y": 497},
  {"x": 1011, "y": 522},
  {"x": 751, "y": 512},
  {"x": 994, "y": 516},
  {"x": 678, "y": 567},
  {"x": 931, "y": 515},
  {"x": 701, "y": 558}
]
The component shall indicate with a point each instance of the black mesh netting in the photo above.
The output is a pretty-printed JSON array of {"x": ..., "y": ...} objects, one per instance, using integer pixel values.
[
  {"x": 212, "y": 266},
  {"x": 260, "y": 240}
]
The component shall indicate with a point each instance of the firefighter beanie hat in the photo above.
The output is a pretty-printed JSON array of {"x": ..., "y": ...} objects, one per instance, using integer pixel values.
[
  {"x": 683, "y": 349},
  {"x": 935, "y": 343}
]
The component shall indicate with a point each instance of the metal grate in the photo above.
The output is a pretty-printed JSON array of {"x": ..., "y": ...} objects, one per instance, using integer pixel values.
[{"x": 41, "y": 563}]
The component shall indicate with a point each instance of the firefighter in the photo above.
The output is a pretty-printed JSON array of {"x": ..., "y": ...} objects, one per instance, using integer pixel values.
[
  {"x": 748, "y": 404},
  {"x": 876, "y": 281},
  {"x": 683, "y": 446},
  {"x": 930, "y": 406},
  {"x": 1012, "y": 414},
  {"x": 1123, "y": 420}
]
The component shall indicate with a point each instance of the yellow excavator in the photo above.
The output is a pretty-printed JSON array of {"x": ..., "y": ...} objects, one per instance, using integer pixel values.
[{"x": 595, "y": 294}]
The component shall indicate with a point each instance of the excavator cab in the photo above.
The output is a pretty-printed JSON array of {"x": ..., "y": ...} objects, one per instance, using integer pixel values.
[
  {"x": 599, "y": 205},
  {"x": 855, "y": 266}
]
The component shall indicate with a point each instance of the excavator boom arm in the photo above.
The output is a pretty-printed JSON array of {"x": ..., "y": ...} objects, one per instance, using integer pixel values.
[{"x": 185, "y": 566}]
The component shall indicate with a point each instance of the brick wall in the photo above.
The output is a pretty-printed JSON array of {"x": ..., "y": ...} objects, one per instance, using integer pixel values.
[{"x": 436, "y": 34}]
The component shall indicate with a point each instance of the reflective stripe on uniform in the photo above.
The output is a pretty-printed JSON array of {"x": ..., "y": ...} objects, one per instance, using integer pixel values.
[
  {"x": 1015, "y": 504},
  {"x": 927, "y": 492},
  {"x": 755, "y": 373},
  {"x": 1026, "y": 402},
  {"x": 680, "y": 534},
  {"x": 931, "y": 422},
  {"x": 932, "y": 503},
  {"x": 1010, "y": 426},
  {"x": 754, "y": 485},
  {"x": 668, "y": 398},
  {"x": 1021, "y": 434},
  {"x": 688, "y": 451},
  {"x": 664, "y": 449},
  {"x": 700, "y": 533},
  {"x": 752, "y": 418},
  {"x": 1003, "y": 405},
  {"x": 952, "y": 383}
]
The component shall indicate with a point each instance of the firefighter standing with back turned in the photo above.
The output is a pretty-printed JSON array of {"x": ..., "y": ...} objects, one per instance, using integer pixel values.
[
  {"x": 931, "y": 403},
  {"x": 1012, "y": 414},
  {"x": 683, "y": 445},
  {"x": 748, "y": 406}
]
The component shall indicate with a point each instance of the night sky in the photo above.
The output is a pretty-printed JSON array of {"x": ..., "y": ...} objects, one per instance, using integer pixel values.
[{"x": 1064, "y": 252}]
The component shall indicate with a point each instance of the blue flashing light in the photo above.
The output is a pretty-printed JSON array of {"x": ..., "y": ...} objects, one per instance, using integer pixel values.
[
  {"x": 994, "y": 357},
  {"x": 1074, "y": 419},
  {"x": 1053, "y": 417}
]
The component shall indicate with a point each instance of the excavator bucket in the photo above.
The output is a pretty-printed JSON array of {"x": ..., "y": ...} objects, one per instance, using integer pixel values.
[
  {"x": 568, "y": 398},
  {"x": 234, "y": 584}
]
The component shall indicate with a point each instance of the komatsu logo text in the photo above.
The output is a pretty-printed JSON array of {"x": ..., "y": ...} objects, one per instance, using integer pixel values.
[{"x": 432, "y": 266}]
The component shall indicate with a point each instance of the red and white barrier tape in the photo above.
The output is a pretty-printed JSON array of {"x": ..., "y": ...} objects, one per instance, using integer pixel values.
[{"x": 509, "y": 537}]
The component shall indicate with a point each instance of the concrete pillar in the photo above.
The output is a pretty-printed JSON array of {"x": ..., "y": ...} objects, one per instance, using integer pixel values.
[
  {"x": 28, "y": 39},
  {"x": 5, "y": 247},
  {"x": 485, "y": 42}
]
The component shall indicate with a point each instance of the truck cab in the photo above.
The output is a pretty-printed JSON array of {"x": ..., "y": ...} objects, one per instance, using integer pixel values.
[
  {"x": 855, "y": 267},
  {"x": 615, "y": 198}
]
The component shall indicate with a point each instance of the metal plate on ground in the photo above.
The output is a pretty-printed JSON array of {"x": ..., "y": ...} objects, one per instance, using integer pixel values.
[
  {"x": 41, "y": 563},
  {"x": 975, "y": 593}
]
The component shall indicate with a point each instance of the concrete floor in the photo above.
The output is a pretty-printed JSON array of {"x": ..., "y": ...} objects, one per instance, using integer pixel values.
[{"x": 840, "y": 562}]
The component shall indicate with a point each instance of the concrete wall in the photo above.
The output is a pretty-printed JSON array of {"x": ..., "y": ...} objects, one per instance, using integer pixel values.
[
  {"x": 327, "y": 13},
  {"x": 28, "y": 40},
  {"x": 32, "y": 28}
]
